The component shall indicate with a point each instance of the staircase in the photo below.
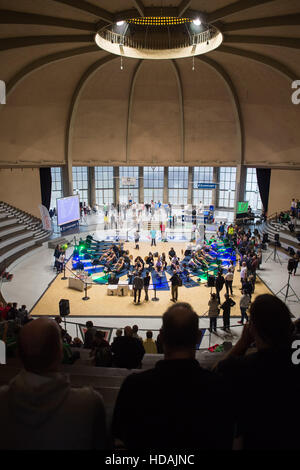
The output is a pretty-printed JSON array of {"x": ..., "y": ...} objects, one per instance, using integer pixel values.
[
  {"x": 286, "y": 238},
  {"x": 20, "y": 233}
]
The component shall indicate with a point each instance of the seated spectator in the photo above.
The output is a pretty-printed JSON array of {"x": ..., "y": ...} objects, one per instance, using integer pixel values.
[
  {"x": 77, "y": 343},
  {"x": 23, "y": 315},
  {"x": 89, "y": 335},
  {"x": 4, "y": 310},
  {"x": 149, "y": 344},
  {"x": 12, "y": 314},
  {"x": 172, "y": 253},
  {"x": 69, "y": 357},
  {"x": 135, "y": 330},
  {"x": 161, "y": 408},
  {"x": 101, "y": 351},
  {"x": 159, "y": 345},
  {"x": 39, "y": 409},
  {"x": 128, "y": 351},
  {"x": 269, "y": 419}
]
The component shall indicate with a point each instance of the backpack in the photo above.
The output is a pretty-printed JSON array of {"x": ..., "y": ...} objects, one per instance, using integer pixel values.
[{"x": 103, "y": 357}]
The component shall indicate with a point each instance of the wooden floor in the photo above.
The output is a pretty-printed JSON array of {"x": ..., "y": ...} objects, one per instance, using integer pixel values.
[{"x": 100, "y": 304}]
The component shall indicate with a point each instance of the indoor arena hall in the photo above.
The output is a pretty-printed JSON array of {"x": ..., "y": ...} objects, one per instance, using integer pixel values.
[{"x": 149, "y": 225}]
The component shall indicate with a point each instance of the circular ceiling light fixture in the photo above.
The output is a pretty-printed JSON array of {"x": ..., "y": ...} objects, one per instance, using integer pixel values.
[
  {"x": 197, "y": 22},
  {"x": 159, "y": 37}
]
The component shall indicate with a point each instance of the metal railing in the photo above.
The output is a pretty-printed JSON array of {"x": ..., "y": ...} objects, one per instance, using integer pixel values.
[{"x": 155, "y": 43}]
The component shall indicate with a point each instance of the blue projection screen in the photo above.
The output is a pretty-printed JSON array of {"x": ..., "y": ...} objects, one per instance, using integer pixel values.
[{"x": 67, "y": 209}]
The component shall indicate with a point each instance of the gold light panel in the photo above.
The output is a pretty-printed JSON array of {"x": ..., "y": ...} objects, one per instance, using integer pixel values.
[{"x": 159, "y": 21}]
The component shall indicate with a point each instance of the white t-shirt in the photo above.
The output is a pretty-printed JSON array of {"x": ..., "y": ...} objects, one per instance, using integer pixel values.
[{"x": 244, "y": 272}]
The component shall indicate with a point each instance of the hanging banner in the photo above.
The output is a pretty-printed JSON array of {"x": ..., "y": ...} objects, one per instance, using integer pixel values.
[
  {"x": 207, "y": 185},
  {"x": 46, "y": 220},
  {"x": 2, "y": 92},
  {"x": 128, "y": 181}
]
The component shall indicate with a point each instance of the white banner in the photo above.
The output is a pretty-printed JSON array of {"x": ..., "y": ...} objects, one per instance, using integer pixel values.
[
  {"x": 128, "y": 181},
  {"x": 2, "y": 92},
  {"x": 46, "y": 220}
]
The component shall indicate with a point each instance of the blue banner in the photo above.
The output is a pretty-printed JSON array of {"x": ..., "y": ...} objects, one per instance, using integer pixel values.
[
  {"x": 207, "y": 185},
  {"x": 65, "y": 227}
]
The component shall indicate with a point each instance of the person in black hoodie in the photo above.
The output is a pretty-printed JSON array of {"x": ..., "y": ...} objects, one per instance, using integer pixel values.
[{"x": 226, "y": 307}]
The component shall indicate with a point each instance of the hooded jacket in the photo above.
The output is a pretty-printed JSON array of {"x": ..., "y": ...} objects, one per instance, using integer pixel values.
[{"x": 45, "y": 412}]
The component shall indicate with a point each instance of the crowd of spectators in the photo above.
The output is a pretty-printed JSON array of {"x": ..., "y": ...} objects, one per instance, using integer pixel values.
[
  {"x": 11, "y": 312},
  {"x": 244, "y": 402}
]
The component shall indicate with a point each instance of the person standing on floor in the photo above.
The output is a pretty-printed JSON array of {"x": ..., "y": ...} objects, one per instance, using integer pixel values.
[
  {"x": 229, "y": 281},
  {"x": 226, "y": 307},
  {"x": 244, "y": 305},
  {"x": 175, "y": 281},
  {"x": 137, "y": 239},
  {"x": 213, "y": 312},
  {"x": 138, "y": 284},
  {"x": 153, "y": 237},
  {"x": 244, "y": 273},
  {"x": 296, "y": 262},
  {"x": 220, "y": 281},
  {"x": 146, "y": 285}
]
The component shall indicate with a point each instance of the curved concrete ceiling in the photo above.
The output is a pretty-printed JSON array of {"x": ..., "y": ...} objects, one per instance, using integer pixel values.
[{"x": 255, "y": 67}]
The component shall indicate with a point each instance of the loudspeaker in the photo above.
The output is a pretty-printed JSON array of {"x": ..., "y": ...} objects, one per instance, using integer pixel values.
[
  {"x": 64, "y": 307},
  {"x": 265, "y": 238},
  {"x": 211, "y": 281},
  {"x": 291, "y": 265},
  {"x": 276, "y": 237}
]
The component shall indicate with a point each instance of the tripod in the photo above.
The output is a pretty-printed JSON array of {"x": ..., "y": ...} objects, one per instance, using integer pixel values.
[
  {"x": 286, "y": 288},
  {"x": 275, "y": 255}
]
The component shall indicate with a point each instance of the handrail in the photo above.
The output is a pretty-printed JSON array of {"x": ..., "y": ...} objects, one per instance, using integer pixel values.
[
  {"x": 158, "y": 44},
  {"x": 151, "y": 329}
]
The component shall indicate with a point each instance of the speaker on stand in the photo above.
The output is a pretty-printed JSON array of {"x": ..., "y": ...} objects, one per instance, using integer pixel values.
[{"x": 64, "y": 309}]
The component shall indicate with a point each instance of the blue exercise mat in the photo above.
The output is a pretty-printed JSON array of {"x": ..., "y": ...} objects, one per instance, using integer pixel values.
[{"x": 160, "y": 282}]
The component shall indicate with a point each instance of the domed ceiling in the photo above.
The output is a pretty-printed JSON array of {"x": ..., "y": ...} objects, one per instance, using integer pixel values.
[{"x": 70, "y": 102}]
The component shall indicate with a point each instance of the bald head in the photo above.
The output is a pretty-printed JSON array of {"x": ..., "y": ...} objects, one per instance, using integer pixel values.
[
  {"x": 180, "y": 330},
  {"x": 40, "y": 346}
]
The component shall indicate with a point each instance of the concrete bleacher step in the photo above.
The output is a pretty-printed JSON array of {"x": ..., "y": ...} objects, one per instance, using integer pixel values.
[
  {"x": 5, "y": 221},
  {"x": 15, "y": 244},
  {"x": 17, "y": 250},
  {"x": 10, "y": 239},
  {"x": 15, "y": 229},
  {"x": 13, "y": 258},
  {"x": 20, "y": 233}
]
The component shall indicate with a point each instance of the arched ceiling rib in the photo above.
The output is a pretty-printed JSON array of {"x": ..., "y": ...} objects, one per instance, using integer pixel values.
[
  {"x": 183, "y": 6},
  {"x": 260, "y": 58},
  {"x": 89, "y": 8},
  {"x": 130, "y": 105},
  {"x": 139, "y": 6},
  {"x": 44, "y": 61},
  {"x": 234, "y": 95},
  {"x": 14, "y": 17},
  {"x": 14, "y": 43},
  {"x": 287, "y": 20},
  {"x": 234, "y": 8},
  {"x": 271, "y": 41},
  {"x": 75, "y": 101}
]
